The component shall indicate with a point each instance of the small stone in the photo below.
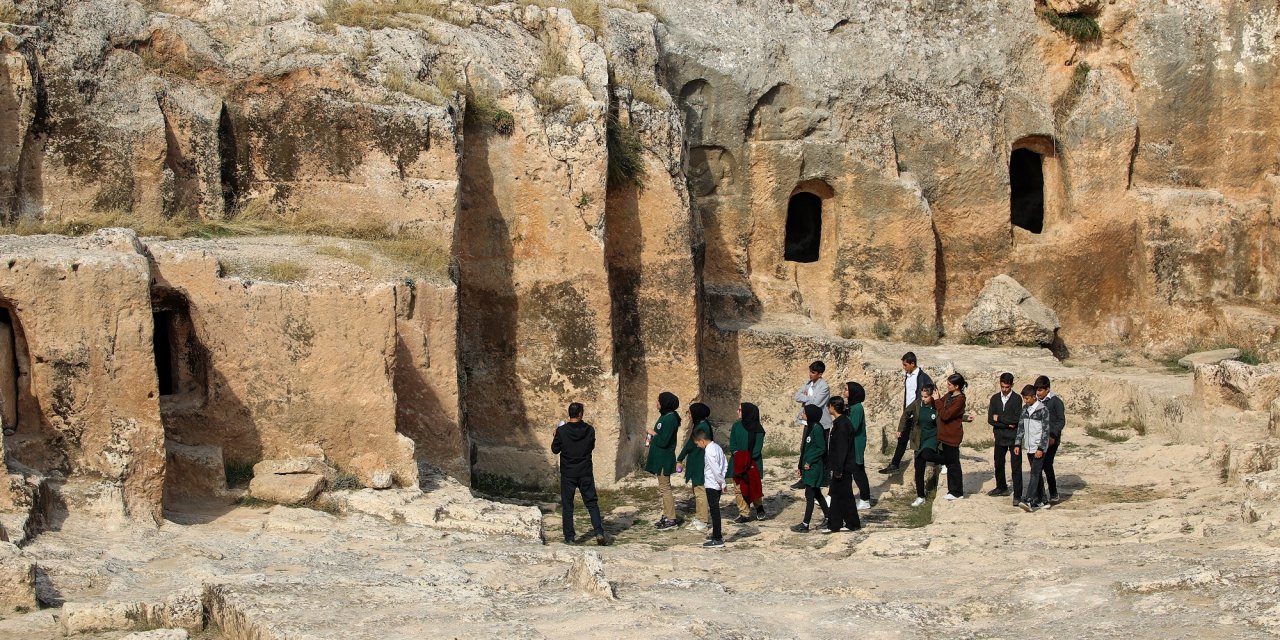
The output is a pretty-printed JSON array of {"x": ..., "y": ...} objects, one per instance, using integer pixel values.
[
  {"x": 586, "y": 575},
  {"x": 286, "y": 489},
  {"x": 1208, "y": 357},
  {"x": 381, "y": 480}
]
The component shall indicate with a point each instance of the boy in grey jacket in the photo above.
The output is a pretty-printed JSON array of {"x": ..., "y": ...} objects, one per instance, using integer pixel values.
[{"x": 1033, "y": 436}]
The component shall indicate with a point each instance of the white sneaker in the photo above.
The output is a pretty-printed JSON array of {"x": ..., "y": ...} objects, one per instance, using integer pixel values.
[
  {"x": 917, "y": 502},
  {"x": 951, "y": 497},
  {"x": 828, "y": 501},
  {"x": 943, "y": 469},
  {"x": 863, "y": 505},
  {"x": 697, "y": 525}
]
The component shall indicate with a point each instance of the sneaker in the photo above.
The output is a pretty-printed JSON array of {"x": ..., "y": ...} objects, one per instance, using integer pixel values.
[
  {"x": 1025, "y": 507},
  {"x": 863, "y": 505},
  {"x": 1054, "y": 498},
  {"x": 858, "y": 528},
  {"x": 823, "y": 524},
  {"x": 742, "y": 519},
  {"x": 890, "y": 469},
  {"x": 713, "y": 544},
  {"x": 798, "y": 484},
  {"x": 828, "y": 498},
  {"x": 803, "y": 527},
  {"x": 604, "y": 540},
  {"x": 951, "y": 497},
  {"x": 917, "y": 502},
  {"x": 1016, "y": 501},
  {"x": 942, "y": 469},
  {"x": 826, "y": 530},
  {"x": 998, "y": 492},
  {"x": 570, "y": 541},
  {"x": 760, "y": 515},
  {"x": 697, "y": 525},
  {"x": 666, "y": 525}
]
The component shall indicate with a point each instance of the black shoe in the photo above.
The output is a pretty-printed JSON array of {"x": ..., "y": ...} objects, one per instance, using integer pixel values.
[
  {"x": 998, "y": 492},
  {"x": 760, "y": 515},
  {"x": 743, "y": 519},
  {"x": 798, "y": 484},
  {"x": 1054, "y": 498},
  {"x": 713, "y": 543},
  {"x": 665, "y": 525},
  {"x": 893, "y": 468},
  {"x": 803, "y": 527},
  {"x": 604, "y": 540},
  {"x": 823, "y": 524},
  {"x": 570, "y": 541}
]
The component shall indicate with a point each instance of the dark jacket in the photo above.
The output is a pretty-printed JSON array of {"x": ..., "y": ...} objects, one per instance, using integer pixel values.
[
  {"x": 1057, "y": 415},
  {"x": 1006, "y": 427},
  {"x": 840, "y": 455},
  {"x": 950, "y": 419},
  {"x": 574, "y": 442}
]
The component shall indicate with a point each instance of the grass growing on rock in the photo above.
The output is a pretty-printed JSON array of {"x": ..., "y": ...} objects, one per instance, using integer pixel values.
[
  {"x": 1116, "y": 431},
  {"x": 483, "y": 110},
  {"x": 626, "y": 154},
  {"x": 280, "y": 271},
  {"x": 1077, "y": 26},
  {"x": 920, "y": 334},
  {"x": 361, "y": 259},
  {"x": 421, "y": 256},
  {"x": 370, "y": 14},
  {"x": 238, "y": 473},
  {"x": 346, "y": 481}
]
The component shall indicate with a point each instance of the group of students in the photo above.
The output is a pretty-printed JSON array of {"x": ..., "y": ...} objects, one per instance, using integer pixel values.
[{"x": 832, "y": 451}]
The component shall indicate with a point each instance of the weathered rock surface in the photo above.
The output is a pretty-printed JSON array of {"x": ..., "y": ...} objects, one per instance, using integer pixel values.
[
  {"x": 1006, "y": 313},
  {"x": 17, "y": 579},
  {"x": 1262, "y": 499},
  {"x": 1236, "y": 384},
  {"x": 586, "y": 574},
  {"x": 291, "y": 466},
  {"x": 293, "y": 488},
  {"x": 182, "y": 610},
  {"x": 158, "y": 634},
  {"x": 193, "y": 471},
  {"x": 1192, "y": 360}
]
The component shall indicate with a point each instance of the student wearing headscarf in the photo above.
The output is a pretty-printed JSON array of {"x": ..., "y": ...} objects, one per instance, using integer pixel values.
[
  {"x": 811, "y": 468},
  {"x": 746, "y": 446},
  {"x": 840, "y": 458},
  {"x": 694, "y": 459},
  {"x": 858, "y": 418},
  {"x": 661, "y": 460}
]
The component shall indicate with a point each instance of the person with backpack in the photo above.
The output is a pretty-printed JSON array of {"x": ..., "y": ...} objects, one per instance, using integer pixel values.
[{"x": 746, "y": 446}]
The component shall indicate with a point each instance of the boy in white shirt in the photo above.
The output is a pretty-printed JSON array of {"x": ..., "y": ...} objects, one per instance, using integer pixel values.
[{"x": 717, "y": 467}]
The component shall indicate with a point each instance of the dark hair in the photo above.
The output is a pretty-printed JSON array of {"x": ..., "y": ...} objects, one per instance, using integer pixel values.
[
  {"x": 856, "y": 393},
  {"x": 1028, "y": 390},
  {"x": 1042, "y": 382},
  {"x": 909, "y": 357},
  {"x": 575, "y": 409},
  {"x": 958, "y": 381},
  {"x": 700, "y": 435},
  {"x": 837, "y": 403},
  {"x": 818, "y": 366},
  {"x": 812, "y": 413},
  {"x": 928, "y": 388},
  {"x": 1006, "y": 378}
]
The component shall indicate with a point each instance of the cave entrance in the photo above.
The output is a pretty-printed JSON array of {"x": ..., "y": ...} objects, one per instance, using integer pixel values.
[
  {"x": 1035, "y": 182},
  {"x": 804, "y": 228},
  {"x": 8, "y": 373},
  {"x": 180, "y": 361}
]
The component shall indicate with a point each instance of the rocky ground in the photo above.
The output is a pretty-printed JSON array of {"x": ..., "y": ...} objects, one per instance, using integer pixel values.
[{"x": 1148, "y": 542}]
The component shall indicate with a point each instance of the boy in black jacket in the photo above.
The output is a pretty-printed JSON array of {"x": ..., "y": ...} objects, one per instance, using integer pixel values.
[
  {"x": 1003, "y": 414},
  {"x": 574, "y": 441},
  {"x": 1057, "y": 422}
]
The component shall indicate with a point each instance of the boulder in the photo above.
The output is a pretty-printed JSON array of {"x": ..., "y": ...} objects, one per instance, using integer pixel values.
[
  {"x": 293, "y": 488},
  {"x": 1261, "y": 501},
  {"x": 1191, "y": 360},
  {"x": 1006, "y": 313},
  {"x": 586, "y": 575},
  {"x": 17, "y": 579},
  {"x": 183, "y": 609},
  {"x": 193, "y": 471},
  {"x": 1235, "y": 384},
  {"x": 373, "y": 470},
  {"x": 293, "y": 466}
]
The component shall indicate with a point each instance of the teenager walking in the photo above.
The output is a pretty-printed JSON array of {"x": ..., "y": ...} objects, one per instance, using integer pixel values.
[
  {"x": 1003, "y": 413},
  {"x": 915, "y": 378},
  {"x": 926, "y": 419},
  {"x": 716, "y": 469},
  {"x": 1032, "y": 437},
  {"x": 810, "y": 469},
  {"x": 574, "y": 442},
  {"x": 840, "y": 458},
  {"x": 1057, "y": 422},
  {"x": 951, "y": 419},
  {"x": 694, "y": 467},
  {"x": 746, "y": 464},
  {"x": 661, "y": 460},
  {"x": 858, "y": 418},
  {"x": 815, "y": 392}
]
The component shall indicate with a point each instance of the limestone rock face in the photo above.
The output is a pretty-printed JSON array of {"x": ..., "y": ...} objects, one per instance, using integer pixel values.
[
  {"x": 1262, "y": 499},
  {"x": 1005, "y": 312},
  {"x": 586, "y": 574},
  {"x": 17, "y": 579},
  {"x": 1236, "y": 384},
  {"x": 1191, "y": 360},
  {"x": 293, "y": 488}
]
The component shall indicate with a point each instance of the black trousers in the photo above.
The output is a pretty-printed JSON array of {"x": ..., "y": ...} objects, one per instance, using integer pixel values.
[
  {"x": 924, "y": 456},
  {"x": 713, "y": 505},
  {"x": 903, "y": 440},
  {"x": 811, "y": 495},
  {"x": 1035, "y": 488},
  {"x": 844, "y": 509},
  {"x": 587, "y": 485},
  {"x": 860, "y": 477},
  {"x": 1048, "y": 471},
  {"x": 955, "y": 476},
  {"x": 1015, "y": 465}
]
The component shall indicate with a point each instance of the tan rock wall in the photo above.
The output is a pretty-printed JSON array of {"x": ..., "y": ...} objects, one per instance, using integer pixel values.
[{"x": 426, "y": 377}]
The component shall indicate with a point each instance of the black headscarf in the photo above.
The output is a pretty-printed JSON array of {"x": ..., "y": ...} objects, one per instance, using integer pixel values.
[
  {"x": 699, "y": 412},
  {"x": 751, "y": 418},
  {"x": 669, "y": 403},
  {"x": 856, "y": 393},
  {"x": 812, "y": 413}
]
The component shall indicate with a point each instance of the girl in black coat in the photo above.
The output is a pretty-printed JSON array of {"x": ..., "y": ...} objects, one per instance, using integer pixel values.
[{"x": 842, "y": 461}]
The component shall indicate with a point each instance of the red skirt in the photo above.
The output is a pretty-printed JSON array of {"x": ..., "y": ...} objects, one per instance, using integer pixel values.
[{"x": 747, "y": 477}]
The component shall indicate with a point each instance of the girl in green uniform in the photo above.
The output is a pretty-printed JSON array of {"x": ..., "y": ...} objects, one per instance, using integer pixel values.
[
  {"x": 811, "y": 469},
  {"x": 694, "y": 465},
  {"x": 747, "y": 435},
  {"x": 662, "y": 456},
  {"x": 926, "y": 420}
]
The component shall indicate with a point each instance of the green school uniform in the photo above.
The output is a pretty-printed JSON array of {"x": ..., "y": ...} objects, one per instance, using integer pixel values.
[
  {"x": 859, "y": 419},
  {"x": 695, "y": 468},
  {"x": 738, "y": 441},
  {"x": 814, "y": 455},
  {"x": 927, "y": 422},
  {"x": 662, "y": 447}
]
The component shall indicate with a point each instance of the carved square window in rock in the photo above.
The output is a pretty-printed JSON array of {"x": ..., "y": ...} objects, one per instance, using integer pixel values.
[
  {"x": 180, "y": 358},
  {"x": 1026, "y": 190},
  {"x": 8, "y": 372},
  {"x": 804, "y": 228}
]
